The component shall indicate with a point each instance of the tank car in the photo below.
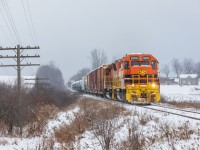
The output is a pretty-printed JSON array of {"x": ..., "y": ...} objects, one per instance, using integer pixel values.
[{"x": 77, "y": 86}]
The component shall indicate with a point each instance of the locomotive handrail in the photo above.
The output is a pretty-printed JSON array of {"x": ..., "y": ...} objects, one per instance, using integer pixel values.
[{"x": 135, "y": 79}]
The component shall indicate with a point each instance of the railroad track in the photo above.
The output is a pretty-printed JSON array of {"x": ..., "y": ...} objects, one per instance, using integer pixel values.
[
  {"x": 157, "y": 107},
  {"x": 179, "y": 112}
]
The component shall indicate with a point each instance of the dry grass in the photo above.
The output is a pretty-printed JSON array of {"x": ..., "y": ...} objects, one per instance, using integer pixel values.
[
  {"x": 42, "y": 116},
  {"x": 182, "y": 132},
  {"x": 181, "y": 104},
  {"x": 3, "y": 142},
  {"x": 185, "y": 104},
  {"x": 96, "y": 116},
  {"x": 46, "y": 144},
  {"x": 29, "y": 116},
  {"x": 133, "y": 141},
  {"x": 144, "y": 119},
  {"x": 68, "y": 133},
  {"x": 100, "y": 118},
  {"x": 3, "y": 128}
]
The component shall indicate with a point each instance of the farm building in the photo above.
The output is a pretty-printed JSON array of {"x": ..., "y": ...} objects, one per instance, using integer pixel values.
[{"x": 188, "y": 79}]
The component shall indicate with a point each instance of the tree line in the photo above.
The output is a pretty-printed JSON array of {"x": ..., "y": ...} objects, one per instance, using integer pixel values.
[
  {"x": 97, "y": 58},
  {"x": 17, "y": 114},
  {"x": 187, "y": 66}
]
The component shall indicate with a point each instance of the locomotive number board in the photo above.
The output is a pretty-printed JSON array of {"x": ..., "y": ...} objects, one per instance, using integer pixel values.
[
  {"x": 146, "y": 58},
  {"x": 134, "y": 58},
  {"x": 137, "y": 58}
]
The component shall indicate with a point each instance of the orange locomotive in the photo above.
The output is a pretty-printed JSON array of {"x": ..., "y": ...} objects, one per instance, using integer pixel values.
[{"x": 134, "y": 78}]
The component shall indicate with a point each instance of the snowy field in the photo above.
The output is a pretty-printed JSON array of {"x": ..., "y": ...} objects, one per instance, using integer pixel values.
[
  {"x": 157, "y": 130},
  {"x": 12, "y": 80},
  {"x": 181, "y": 93},
  {"x": 153, "y": 131},
  {"x": 12, "y": 143}
]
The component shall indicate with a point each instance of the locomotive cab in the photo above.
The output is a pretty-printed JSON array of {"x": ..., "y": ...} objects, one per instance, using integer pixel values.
[{"x": 141, "y": 78}]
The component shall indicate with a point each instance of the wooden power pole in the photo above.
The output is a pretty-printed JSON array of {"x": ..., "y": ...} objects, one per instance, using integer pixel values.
[
  {"x": 18, "y": 57},
  {"x": 38, "y": 83}
]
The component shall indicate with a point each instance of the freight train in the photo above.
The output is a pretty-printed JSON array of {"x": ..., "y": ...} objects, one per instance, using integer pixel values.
[{"x": 133, "y": 79}]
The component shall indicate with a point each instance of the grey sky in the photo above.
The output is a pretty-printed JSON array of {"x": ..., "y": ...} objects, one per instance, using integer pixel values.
[{"x": 67, "y": 30}]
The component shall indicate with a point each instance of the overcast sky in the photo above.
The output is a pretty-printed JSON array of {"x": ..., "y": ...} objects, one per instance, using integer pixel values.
[{"x": 67, "y": 30}]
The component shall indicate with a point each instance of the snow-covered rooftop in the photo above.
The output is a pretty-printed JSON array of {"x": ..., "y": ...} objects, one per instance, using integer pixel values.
[
  {"x": 176, "y": 80},
  {"x": 188, "y": 75}
]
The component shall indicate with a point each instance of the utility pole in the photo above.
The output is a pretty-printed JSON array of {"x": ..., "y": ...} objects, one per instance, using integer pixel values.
[
  {"x": 18, "y": 57},
  {"x": 19, "y": 71},
  {"x": 37, "y": 83}
]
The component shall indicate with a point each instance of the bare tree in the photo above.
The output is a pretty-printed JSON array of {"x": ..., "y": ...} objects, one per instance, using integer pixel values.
[
  {"x": 166, "y": 70},
  {"x": 197, "y": 69},
  {"x": 97, "y": 58},
  {"x": 54, "y": 75},
  {"x": 80, "y": 74},
  {"x": 114, "y": 59},
  {"x": 188, "y": 65},
  {"x": 176, "y": 66}
]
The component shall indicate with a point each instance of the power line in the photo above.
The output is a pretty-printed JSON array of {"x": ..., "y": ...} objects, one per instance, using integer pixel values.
[
  {"x": 29, "y": 27},
  {"x": 11, "y": 20},
  {"x": 13, "y": 37},
  {"x": 34, "y": 30},
  {"x": 30, "y": 21},
  {"x": 11, "y": 24},
  {"x": 6, "y": 35},
  {"x": 27, "y": 21}
]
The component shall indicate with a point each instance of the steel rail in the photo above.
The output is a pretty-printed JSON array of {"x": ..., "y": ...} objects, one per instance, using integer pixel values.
[
  {"x": 149, "y": 107},
  {"x": 194, "y": 112},
  {"x": 177, "y": 114}
]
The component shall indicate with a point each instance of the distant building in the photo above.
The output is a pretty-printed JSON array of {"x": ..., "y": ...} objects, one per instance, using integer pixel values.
[
  {"x": 12, "y": 80},
  {"x": 167, "y": 81},
  {"x": 188, "y": 79}
]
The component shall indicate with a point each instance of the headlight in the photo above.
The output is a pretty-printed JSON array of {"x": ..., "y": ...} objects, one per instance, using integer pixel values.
[
  {"x": 153, "y": 85},
  {"x": 133, "y": 85}
]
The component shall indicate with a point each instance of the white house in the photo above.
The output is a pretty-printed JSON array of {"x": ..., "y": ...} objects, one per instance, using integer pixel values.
[{"x": 188, "y": 79}]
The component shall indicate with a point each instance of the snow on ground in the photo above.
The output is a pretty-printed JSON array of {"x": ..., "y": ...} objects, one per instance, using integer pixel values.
[
  {"x": 19, "y": 144},
  {"x": 157, "y": 125},
  {"x": 12, "y": 80},
  {"x": 152, "y": 129},
  {"x": 181, "y": 93},
  {"x": 62, "y": 118}
]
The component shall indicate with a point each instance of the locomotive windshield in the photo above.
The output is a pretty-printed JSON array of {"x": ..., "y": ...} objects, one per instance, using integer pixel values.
[
  {"x": 144, "y": 63},
  {"x": 135, "y": 63}
]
